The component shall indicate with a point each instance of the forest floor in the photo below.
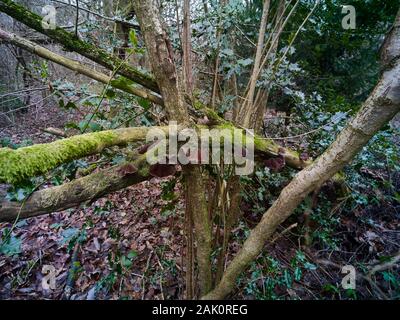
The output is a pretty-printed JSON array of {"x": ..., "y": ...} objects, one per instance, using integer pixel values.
[{"x": 132, "y": 247}]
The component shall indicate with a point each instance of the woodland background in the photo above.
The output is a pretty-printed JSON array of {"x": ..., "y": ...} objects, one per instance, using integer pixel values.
[{"x": 130, "y": 244}]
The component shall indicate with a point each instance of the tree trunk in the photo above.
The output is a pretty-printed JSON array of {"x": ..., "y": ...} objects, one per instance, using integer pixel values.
[
  {"x": 163, "y": 66},
  {"x": 249, "y": 102},
  {"x": 187, "y": 48}
]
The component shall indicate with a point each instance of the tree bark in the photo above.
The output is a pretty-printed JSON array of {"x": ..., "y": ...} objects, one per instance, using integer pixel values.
[
  {"x": 187, "y": 48},
  {"x": 163, "y": 66},
  {"x": 261, "y": 101},
  {"x": 161, "y": 60},
  {"x": 381, "y": 106}
]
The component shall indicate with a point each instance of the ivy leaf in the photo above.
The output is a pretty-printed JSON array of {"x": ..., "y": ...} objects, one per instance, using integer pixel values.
[
  {"x": 11, "y": 246},
  {"x": 310, "y": 266},
  {"x": 132, "y": 254},
  {"x": 70, "y": 105},
  {"x": 110, "y": 94},
  {"x": 71, "y": 125},
  {"x": 118, "y": 159},
  {"x": 227, "y": 52},
  {"x": 20, "y": 195},
  {"x": 68, "y": 234},
  {"x": 245, "y": 62},
  {"x": 297, "y": 274},
  {"x": 126, "y": 262},
  {"x": 93, "y": 126},
  {"x": 133, "y": 38},
  {"x": 144, "y": 103}
]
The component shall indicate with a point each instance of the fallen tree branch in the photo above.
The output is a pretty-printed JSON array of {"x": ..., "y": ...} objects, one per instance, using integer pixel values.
[
  {"x": 268, "y": 146},
  {"x": 78, "y": 191},
  {"x": 384, "y": 266},
  {"x": 78, "y": 67},
  {"x": 55, "y": 132},
  {"x": 17, "y": 165}
]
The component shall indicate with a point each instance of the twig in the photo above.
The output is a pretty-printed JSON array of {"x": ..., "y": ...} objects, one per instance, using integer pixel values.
[
  {"x": 144, "y": 273},
  {"x": 306, "y": 133},
  {"x": 55, "y": 132},
  {"x": 27, "y": 107},
  {"x": 245, "y": 36},
  {"x": 22, "y": 91},
  {"x": 385, "y": 266},
  {"x": 105, "y": 90},
  {"x": 69, "y": 286},
  {"x": 118, "y": 20},
  {"x": 160, "y": 280},
  {"x": 378, "y": 268},
  {"x": 284, "y": 232},
  {"x": 77, "y": 19}
]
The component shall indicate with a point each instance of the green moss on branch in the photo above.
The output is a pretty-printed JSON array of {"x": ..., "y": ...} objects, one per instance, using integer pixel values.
[{"x": 23, "y": 163}]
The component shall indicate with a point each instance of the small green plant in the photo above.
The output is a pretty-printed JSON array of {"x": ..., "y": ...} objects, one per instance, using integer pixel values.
[
  {"x": 120, "y": 266},
  {"x": 269, "y": 277}
]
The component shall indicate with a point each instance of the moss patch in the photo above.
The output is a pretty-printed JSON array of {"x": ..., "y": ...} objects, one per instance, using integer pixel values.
[{"x": 23, "y": 163}]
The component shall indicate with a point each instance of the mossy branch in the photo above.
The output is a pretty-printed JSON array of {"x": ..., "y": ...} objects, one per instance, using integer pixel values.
[
  {"x": 17, "y": 165},
  {"x": 23, "y": 163},
  {"x": 71, "y": 43},
  {"x": 268, "y": 146},
  {"x": 78, "y": 67},
  {"x": 74, "y": 193}
]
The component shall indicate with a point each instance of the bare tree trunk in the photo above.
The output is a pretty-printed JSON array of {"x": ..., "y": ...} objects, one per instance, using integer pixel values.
[
  {"x": 243, "y": 117},
  {"x": 188, "y": 77},
  {"x": 245, "y": 112},
  {"x": 260, "y": 103},
  {"x": 190, "y": 284},
  {"x": 162, "y": 60},
  {"x": 216, "y": 77},
  {"x": 164, "y": 69},
  {"x": 26, "y": 75},
  {"x": 187, "y": 48}
]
